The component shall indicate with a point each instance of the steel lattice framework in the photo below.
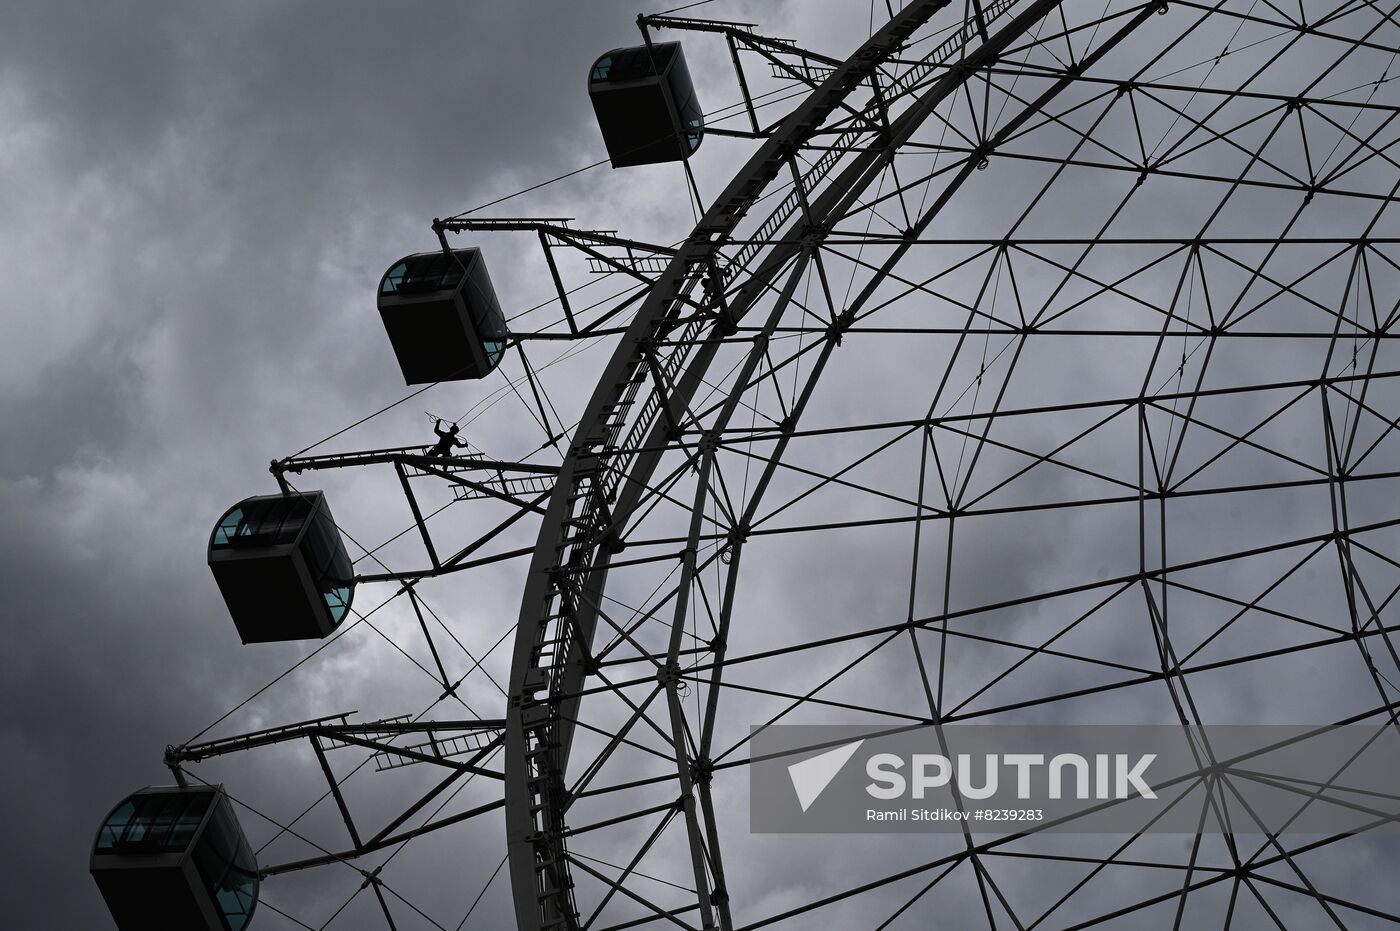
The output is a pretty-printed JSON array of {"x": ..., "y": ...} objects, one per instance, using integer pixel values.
[{"x": 1037, "y": 365}]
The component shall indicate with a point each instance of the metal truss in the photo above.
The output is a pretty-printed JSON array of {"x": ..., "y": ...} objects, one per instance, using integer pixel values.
[
  {"x": 647, "y": 494},
  {"x": 1112, "y": 269}
]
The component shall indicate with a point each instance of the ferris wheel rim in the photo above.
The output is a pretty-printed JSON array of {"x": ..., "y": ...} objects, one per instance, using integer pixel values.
[
  {"x": 581, "y": 462},
  {"x": 598, "y": 567}
]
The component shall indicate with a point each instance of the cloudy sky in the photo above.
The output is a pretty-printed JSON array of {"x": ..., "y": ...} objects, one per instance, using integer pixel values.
[
  {"x": 195, "y": 205},
  {"x": 196, "y": 202}
]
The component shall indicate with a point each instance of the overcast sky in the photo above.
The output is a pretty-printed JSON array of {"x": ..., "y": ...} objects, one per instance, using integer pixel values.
[{"x": 196, "y": 202}]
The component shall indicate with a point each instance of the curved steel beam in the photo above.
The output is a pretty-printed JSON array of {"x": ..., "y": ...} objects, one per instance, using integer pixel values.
[{"x": 571, "y": 559}]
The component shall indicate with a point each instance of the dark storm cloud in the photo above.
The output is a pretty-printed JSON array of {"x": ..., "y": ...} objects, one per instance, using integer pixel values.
[
  {"x": 194, "y": 202},
  {"x": 194, "y": 205}
]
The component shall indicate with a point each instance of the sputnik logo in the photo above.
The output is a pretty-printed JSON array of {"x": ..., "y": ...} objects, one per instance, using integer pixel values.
[{"x": 811, "y": 776}]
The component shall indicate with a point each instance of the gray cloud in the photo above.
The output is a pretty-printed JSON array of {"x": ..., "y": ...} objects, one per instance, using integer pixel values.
[{"x": 195, "y": 205}]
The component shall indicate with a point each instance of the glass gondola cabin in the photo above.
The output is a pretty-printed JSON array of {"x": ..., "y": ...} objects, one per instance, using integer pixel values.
[
  {"x": 282, "y": 567},
  {"x": 645, "y": 104},
  {"x": 172, "y": 857},
  {"x": 442, "y": 316}
]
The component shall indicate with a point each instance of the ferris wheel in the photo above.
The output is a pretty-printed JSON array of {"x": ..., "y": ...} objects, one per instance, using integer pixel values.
[{"x": 1037, "y": 364}]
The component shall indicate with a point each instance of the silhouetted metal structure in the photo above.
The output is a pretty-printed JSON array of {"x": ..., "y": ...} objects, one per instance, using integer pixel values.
[
  {"x": 175, "y": 857},
  {"x": 940, "y": 212},
  {"x": 282, "y": 568}
]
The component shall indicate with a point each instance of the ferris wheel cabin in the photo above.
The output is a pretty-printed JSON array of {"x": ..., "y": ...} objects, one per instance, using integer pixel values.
[
  {"x": 172, "y": 857},
  {"x": 282, "y": 567},
  {"x": 646, "y": 105},
  {"x": 442, "y": 316}
]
